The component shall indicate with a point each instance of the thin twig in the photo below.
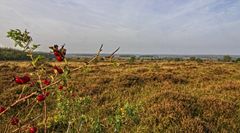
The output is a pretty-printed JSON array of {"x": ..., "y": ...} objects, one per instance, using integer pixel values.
[
  {"x": 18, "y": 101},
  {"x": 45, "y": 117},
  {"x": 69, "y": 124},
  {"x": 112, "y": 55},
  {"x": 27, "y": 124},
  {"x": 97, "y": 55}
]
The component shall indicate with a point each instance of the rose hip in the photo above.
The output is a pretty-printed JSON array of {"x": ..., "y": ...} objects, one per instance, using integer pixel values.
[
  {"x": 59, "y": 70},
  {"x": 22, "y": 80},
  {"x": 41, "y": 97},
  {"x": 46, "y": 82},
  {"x": 59, "y": 58},
  {"x": 56, "y": 53},
  {"x": 14, "y": 121},
  {"x": 2, "y": 109},
  {"x": 60, "y": 87},
  {"x": 33, "y": 130}
]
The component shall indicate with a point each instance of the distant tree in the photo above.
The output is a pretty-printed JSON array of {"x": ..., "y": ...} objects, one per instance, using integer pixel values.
[
  {"x": 132, "y": 60},
  {"x": 178, "y": 59},
  {"x": 238, "y": 60},
  {"x": 199, "y": 60},
  {"x": 227, "y": 58},
  {"x": 192, "y": 58}
]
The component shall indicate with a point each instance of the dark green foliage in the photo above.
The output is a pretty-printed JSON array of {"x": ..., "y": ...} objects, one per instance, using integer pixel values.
[
  {"x": 178, "y": 59},
  {"x": 238, "y": 60},
  {"x": 132, "y": 60},
  {"x": 227, "y": 58},
  {"x": 14, "y": 54},
  {"x": 192, "y": 58},
  {"x": 199, "y": 60}
]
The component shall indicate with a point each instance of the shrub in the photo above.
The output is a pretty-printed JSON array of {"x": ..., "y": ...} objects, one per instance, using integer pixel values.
[
  {"x": 132, "y": 60},
  {"x": 227, "y": 58}
]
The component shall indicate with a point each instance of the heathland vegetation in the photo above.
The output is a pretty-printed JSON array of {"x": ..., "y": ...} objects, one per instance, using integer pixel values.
[{"x": 111, "y": 95}]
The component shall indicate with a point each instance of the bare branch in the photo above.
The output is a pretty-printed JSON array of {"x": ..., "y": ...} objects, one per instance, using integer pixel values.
[
  {"x": 112, "y": 55},
  {"x": 18, "y": 101},
  {"x": 97, "y": 55}
]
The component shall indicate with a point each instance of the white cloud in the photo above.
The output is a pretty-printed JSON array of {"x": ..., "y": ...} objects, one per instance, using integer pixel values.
[{"x": 138, "y": 26}]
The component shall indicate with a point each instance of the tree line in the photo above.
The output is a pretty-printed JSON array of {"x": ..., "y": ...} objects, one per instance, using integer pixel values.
[{"x": 14, "y": 54}]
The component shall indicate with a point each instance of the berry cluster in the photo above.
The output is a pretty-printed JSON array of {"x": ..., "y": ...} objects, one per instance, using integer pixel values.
[{"x": 59, "y": 53}]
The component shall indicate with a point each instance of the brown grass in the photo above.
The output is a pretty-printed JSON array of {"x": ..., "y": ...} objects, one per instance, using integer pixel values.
[{"x": 173, "y": 96}]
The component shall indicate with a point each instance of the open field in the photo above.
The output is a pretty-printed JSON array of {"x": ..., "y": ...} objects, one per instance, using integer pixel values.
[{"x": 168, "y": 96}]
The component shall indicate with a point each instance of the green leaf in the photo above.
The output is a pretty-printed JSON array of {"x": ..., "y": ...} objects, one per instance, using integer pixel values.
[{"x": 38, "y": 58}]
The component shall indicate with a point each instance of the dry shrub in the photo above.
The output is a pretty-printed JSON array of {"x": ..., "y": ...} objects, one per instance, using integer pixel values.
[
  {"x": 171, "y": 108},
  {"x": 93, "y": 89},
  {"x": 129, "y": 80},
  {"x": 142, "y": 70},
  {"x": 162, "y": 77},
  {"x": 5, "y": 67},
  {"x": 151, "y": 76},
  {"x": 219, "y": 71},
  {"x": 104, "y": 80},
  {"x": 176, "y": 79},
  {"x": 229, "y": 86},
  {"x": 193, "y": 125},
  {"x": 217, "y": 111}
]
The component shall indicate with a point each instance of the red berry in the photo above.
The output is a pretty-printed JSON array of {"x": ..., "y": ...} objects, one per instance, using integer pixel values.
[
  {"x": 25, "y": 78},
  {"x": 59, "y": 58},
  {"x": 2, "y": 109},
  {"x": 22, "y": 80},
  {"x": 14, "y": 121},
  {"x": 41, "y": 97},
  {"x": 18, "y": 80},
  {"x": 55, "y": 67},
  {"x": 33, "y": 130},
  {"x": 59, "y": 70},
  {"x": 46, "y": 82},
  {"x": 56, "y": 53},
  {"x": 60, "y": 87}
]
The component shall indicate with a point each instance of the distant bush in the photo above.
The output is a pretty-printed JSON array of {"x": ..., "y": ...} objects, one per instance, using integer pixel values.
[
  {"x": 227, "y": 58},
  {"x": 178, "y": 59},
  {"x": 237, "y": 60},
  {"x": 192, "y": 58},
  {"x": 198, "y": 60},
  {"x": 132, "y": 60}
]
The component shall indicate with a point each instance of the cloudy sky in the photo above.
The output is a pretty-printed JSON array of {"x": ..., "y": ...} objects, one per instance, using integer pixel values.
[{"x": 137, "y": 26}]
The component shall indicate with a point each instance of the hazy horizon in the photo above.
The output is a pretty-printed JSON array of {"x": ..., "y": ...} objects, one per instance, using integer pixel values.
[{"x": 186, "y": 27}]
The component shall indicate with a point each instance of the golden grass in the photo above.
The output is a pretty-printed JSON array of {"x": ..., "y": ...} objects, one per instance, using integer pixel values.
[{"x": 173, "y": 96}]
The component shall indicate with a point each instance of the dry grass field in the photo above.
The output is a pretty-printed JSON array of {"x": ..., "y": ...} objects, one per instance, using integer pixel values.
[{"x": 168, "y": 96}]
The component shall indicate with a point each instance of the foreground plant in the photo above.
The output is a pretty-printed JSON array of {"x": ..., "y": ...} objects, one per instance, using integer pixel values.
[
  {"x": 40, "y": 86},
  {"x": 40, "y": 83}
]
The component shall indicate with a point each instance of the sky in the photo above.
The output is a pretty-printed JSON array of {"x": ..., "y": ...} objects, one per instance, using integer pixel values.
[{"x": 137, "y": 26}]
